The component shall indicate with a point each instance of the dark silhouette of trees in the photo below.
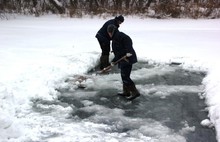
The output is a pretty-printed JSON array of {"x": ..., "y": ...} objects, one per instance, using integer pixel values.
[{"x": 148, "y": 8}]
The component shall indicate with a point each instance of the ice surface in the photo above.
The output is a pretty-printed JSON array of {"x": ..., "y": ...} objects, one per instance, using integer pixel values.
[{"x": 39, "y": 54}]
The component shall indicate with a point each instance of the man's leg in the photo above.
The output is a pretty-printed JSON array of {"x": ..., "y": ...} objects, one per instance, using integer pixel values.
[
  {"x": 125, "y": 75},
  {"x": 126, "y": 91},
  {"x": 134, "y": 92},
  {"x": 104, "y": 59}
]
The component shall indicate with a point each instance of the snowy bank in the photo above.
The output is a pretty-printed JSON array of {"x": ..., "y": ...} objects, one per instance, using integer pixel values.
[{"x": 37, "y": 54}]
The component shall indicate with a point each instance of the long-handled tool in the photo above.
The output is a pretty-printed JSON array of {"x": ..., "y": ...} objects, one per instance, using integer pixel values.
[{"x": 110, "y": 66}]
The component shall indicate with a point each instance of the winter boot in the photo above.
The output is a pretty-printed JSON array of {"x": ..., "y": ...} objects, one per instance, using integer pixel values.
[
  {"x": 125, "y": 92},
  {"x": 104, "y": 61},
  {"x": 134, "y": 92}
]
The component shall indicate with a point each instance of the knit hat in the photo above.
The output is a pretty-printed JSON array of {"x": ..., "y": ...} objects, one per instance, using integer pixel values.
[{"x": 120, "y": 18}]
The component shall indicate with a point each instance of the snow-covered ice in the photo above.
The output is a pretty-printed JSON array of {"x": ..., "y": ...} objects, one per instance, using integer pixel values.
[{"x": 38, "y": 54}]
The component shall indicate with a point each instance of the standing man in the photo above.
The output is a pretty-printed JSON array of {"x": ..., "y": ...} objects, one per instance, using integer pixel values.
[
  {"x": 122, "y": 46},
  {"x": 104, "y": 40}
]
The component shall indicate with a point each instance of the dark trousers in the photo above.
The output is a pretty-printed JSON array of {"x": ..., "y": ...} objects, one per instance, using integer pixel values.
[
  {"x": 125, "y": 73},
  {"x": 105, "y": 46}
]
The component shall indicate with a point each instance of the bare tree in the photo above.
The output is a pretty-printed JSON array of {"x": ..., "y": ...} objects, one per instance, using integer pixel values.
[
  {"x": 161, "y": 8},
  {"x": 58, "y": 6}
]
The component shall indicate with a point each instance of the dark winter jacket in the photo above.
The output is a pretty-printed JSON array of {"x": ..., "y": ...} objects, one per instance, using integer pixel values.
[
  {"x": 122, "y": 44},
  {"x": 102, "y": 34}
]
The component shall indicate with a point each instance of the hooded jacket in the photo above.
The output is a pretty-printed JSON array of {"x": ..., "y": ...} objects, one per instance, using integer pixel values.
[
  {"x": 122, "y": 44},
  {"x": 102, "y": 34}
]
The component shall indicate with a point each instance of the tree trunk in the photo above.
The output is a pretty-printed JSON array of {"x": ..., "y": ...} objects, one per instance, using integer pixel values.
[
  {"x": 148, "y": 3},
  {"x": 58, "y": 7}
]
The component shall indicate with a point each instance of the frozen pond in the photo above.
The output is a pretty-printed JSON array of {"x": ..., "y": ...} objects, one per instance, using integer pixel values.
[{"x": 170, "y": 107}]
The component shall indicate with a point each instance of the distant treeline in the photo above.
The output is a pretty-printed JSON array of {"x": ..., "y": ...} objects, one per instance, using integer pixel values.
[{"x": 147, "y": 8}]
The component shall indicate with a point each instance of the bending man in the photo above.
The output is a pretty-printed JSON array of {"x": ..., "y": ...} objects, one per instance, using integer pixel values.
[{"x": 104, "y": 40}]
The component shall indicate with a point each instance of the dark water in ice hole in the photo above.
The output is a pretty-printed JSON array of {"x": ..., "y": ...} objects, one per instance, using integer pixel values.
[{"x": 172, "y": 111}]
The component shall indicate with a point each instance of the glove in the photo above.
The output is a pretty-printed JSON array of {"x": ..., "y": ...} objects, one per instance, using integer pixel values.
[
  {"x": 128, "y": 54},
  {"x": 112, "y": 64}
]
